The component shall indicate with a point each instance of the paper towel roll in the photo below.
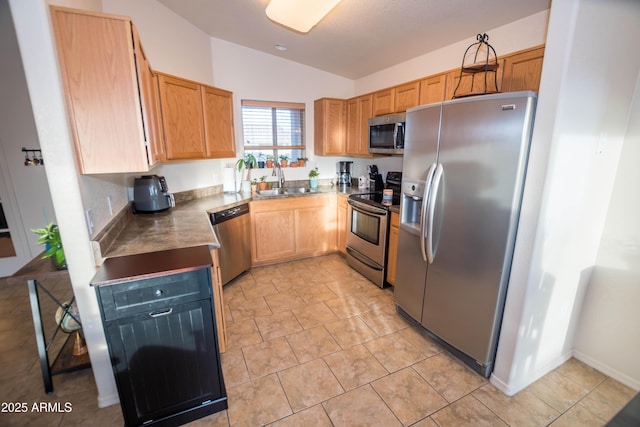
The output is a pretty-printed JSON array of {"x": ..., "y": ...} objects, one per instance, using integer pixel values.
[{"x": 229, "y": 180}]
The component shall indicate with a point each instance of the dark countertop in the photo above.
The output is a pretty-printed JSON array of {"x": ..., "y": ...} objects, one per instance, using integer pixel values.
[{"x": 187, "y": 224}]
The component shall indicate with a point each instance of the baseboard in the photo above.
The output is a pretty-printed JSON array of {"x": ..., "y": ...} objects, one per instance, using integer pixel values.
[
  {"x": 511, "y": 389},
  {"x": 104, "y": 401},
  {"x": 608, "y": 370}
]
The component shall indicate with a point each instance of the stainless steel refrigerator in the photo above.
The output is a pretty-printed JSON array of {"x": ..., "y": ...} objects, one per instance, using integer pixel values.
[{"x": 464, "y": 168}]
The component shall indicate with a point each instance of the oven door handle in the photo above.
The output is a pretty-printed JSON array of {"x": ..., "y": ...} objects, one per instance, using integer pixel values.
[
  {"x": 367, "y": 209},
  {"x": 363, "y": 260}
]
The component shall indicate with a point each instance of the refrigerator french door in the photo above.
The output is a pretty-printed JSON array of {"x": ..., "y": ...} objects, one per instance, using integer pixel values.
[{"x": 462, "y": 190}]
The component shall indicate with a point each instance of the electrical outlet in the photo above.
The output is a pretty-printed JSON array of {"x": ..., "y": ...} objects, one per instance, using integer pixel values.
[
  {"x": 110, "y": 205},
  {"x": 89, "y": 215}
]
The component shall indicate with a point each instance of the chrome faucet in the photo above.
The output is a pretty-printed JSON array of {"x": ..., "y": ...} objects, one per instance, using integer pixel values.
[{"x": 280, "y": 174}]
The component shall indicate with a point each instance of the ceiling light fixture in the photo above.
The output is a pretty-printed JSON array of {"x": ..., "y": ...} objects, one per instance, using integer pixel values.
[{"x": 299, "y": 15}]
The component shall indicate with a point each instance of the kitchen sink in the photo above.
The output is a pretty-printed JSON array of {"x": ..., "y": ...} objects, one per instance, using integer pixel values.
[
  {"x": 273, "y": 192},
  {"x": 285, "y": 191},
  {"x": 295, "y": 190}
]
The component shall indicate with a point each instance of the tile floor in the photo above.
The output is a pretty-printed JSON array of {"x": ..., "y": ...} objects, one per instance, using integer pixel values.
[{"x": 313, "y": 343}]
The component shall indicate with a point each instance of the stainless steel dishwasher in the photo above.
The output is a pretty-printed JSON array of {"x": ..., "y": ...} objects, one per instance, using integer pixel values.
[{"x": 232, "y": 229}]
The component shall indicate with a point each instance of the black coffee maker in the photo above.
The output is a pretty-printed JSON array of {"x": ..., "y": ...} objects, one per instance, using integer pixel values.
[
  {"x": 343, "y": 169},
  {"x": 375, "y": 179}
]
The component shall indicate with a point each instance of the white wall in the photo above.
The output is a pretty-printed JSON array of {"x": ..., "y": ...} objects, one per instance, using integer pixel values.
[
  {"x": 581, "y": 119},
  {"x": 607, "y": 336},
  {"x": 521, "y": 34}
]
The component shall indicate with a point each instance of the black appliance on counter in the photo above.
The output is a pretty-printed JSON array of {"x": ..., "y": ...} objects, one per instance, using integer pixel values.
[
  {"x": 375, "y": 179},
  {"x": 368, "y": 229},
  {"x": 343, "y": 170},
  {"x": 151, "y": 194}
]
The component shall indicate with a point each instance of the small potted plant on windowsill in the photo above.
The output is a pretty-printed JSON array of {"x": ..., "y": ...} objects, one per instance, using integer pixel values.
[
  {"x": 313, "y": 178},
  {"x": 270, "y": 159},
  {"x": 50, "y": 237},
  {"x": 263, "y": 183},
  {"x": 302, "y": 161},
  {"x": 284, "y": 160},
  {"x": 248, "y": 162}
]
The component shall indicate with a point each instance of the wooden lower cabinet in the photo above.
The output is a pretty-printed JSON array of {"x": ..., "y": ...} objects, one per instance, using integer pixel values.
[
  {"x": 341, "y": 218},
  {"x": 218, "y": 301},
  {"x": 292, "y": 228},
  {"x": 392, "y": 256}
]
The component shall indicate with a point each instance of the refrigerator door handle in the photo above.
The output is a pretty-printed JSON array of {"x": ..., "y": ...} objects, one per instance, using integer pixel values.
[
  {"x": 423, "y": 214},
  {"x": 433, "y": 195}
]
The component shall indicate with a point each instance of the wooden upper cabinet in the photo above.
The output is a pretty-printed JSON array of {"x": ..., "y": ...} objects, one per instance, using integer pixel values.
[
  {"x": 103, "y": 97},
  {"x": 432, "y": 89},
  {"x": 329, "y": 126},
  {"x": 182, "y": 118},
  {"x": 522, "y": 70},
  {"x": 358, "y": 115},
  {"x": 197, "y": 119},
  {"x": 383, "y": 102},
  {"x": 406, "y": 96},
  {"x": 217, "y": 106}
]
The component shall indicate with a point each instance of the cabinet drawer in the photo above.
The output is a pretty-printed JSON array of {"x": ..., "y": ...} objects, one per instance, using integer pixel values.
[{"x": 153, "y": 294}]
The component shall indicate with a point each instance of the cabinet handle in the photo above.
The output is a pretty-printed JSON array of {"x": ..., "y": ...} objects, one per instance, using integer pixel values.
[{"x": 161, "y": 313}]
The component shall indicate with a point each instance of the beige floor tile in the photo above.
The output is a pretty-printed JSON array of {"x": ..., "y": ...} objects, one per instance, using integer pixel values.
[
  {"x": 240, "y": 334},
  {"x": 289, "y": 283},
  {"x": 360, "y": 407},
  {"x": 343, "y": 287},
  {"x": 426, "y": 422},
  {"x": 350, "y": 331},
  {"x": 346, "y": 306},
  {"x": 312, "y": 344},
  {"x": 311, "y": 417},
  {"x": 259, "y": 289},
  {"x": 257, "y": 402},
  {"x": 421, "y": 340},
  {"x": 558, "y": 391},
  {"x": 467, "y": 412},
  {"x": 608, "y": 398},
  {"x": 355, "y": 366},
  {"x": 449, "y": 376},
  {"x": 233, "y": 290},
  {"x": 522, "y": 409},
  {"x": 248, "y": 309},
  {"x": 376, "y": 298},
  {"x": 234, "y": 368},
  {"x": 316, "y": 293},
  {"x": 270, "y": 272},
  {"x": 309, "y": 384},
  {"x": 284, "y": 301},
  {"x": 579, "y": 372},
  {"x": 277, "y": 325},
  {"x": 578, "y": 416},
  {"x": 314, "y": 315},
  {"x": 268, "y": 357},
  {"x": 394, "y": 352},
  {"x": 384, "y": 322},
  {"x": 408, "y": 395}
]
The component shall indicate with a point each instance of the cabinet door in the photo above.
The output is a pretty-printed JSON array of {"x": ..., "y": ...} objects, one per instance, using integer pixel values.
[
  {"x": 522, "y": 71},
  {"x": 406, "y": 96},
  {"x": 392, "y": 258},
  {"x": 342, "y": 224},
  {"x": 217, "y": 106},
  {"x": 329, "y": 126},
  {"x": 432, "y": 89},
  {"x": 150, "y": 103},
  {"x": 358, "y": 115},
  {"x": 315, "y": 225},
  {"x": 165, "y": 363},
  {"x": 273, "y": 229},
  {"x": 218, "y": 301},
  {"x": 182, "y": 118},
  {"x": 96, "y": 57},
  {"x": 383, "y": 102}
]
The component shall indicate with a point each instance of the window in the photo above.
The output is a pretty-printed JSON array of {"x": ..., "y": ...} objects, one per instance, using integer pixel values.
[{"x": 273, "y": 129}]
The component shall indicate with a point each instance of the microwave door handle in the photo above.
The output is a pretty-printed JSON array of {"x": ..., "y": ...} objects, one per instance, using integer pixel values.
[
  {"x": 395, "y": 134},
  {"x": 423, "y": 214}
]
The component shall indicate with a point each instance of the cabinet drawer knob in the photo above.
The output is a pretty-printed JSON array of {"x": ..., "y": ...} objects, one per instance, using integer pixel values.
[
  {"x": 161, "y": 313},
  {"x": 159, "y": 292}
]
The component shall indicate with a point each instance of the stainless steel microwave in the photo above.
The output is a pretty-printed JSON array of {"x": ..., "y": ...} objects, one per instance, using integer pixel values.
[{"x": 386, "y": 134}]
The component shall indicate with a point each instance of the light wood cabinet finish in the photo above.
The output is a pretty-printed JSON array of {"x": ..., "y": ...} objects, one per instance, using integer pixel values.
[
  {"x": 292, "y": 228},
  {"x": 383, "y": 102},
  {"x": 197, "y": 119},
  {"x": 217, "y": 105},
  {"x": 342, "y": 222},
  {"x": 406, "y": 96},
  {"x": 98, "y": 69},
  {"x": 522, "y": 70},
  {"x": 359, "y": 111},
  {"x": 218, "y": 301},
  {"x": 432, "y": 89},
  {"x": 392, "y": 257},
  {"x": 329, "y": 126}
]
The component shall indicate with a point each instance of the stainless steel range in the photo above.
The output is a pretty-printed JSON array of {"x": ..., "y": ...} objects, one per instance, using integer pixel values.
[{"x": 368, "y": 230}]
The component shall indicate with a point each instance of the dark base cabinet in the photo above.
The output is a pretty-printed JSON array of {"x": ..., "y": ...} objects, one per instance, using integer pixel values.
[{"x": 162, "y": 341}]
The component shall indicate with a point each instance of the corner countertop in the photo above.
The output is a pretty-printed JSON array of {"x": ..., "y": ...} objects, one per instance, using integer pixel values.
[{"x": 186, "y": 225}]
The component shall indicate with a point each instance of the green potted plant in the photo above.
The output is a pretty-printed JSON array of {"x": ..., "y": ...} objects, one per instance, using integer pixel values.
[
  {"x": 50, "y": 237},
  {"x": 284, "y": 160},
  {"x": 263, "y": 182},
  {"x": 270, "y": 160},
  {"x": 302, "y": 161},
  {"x": 313, "y": 178},
  {"x": 249, "y": 161}
]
